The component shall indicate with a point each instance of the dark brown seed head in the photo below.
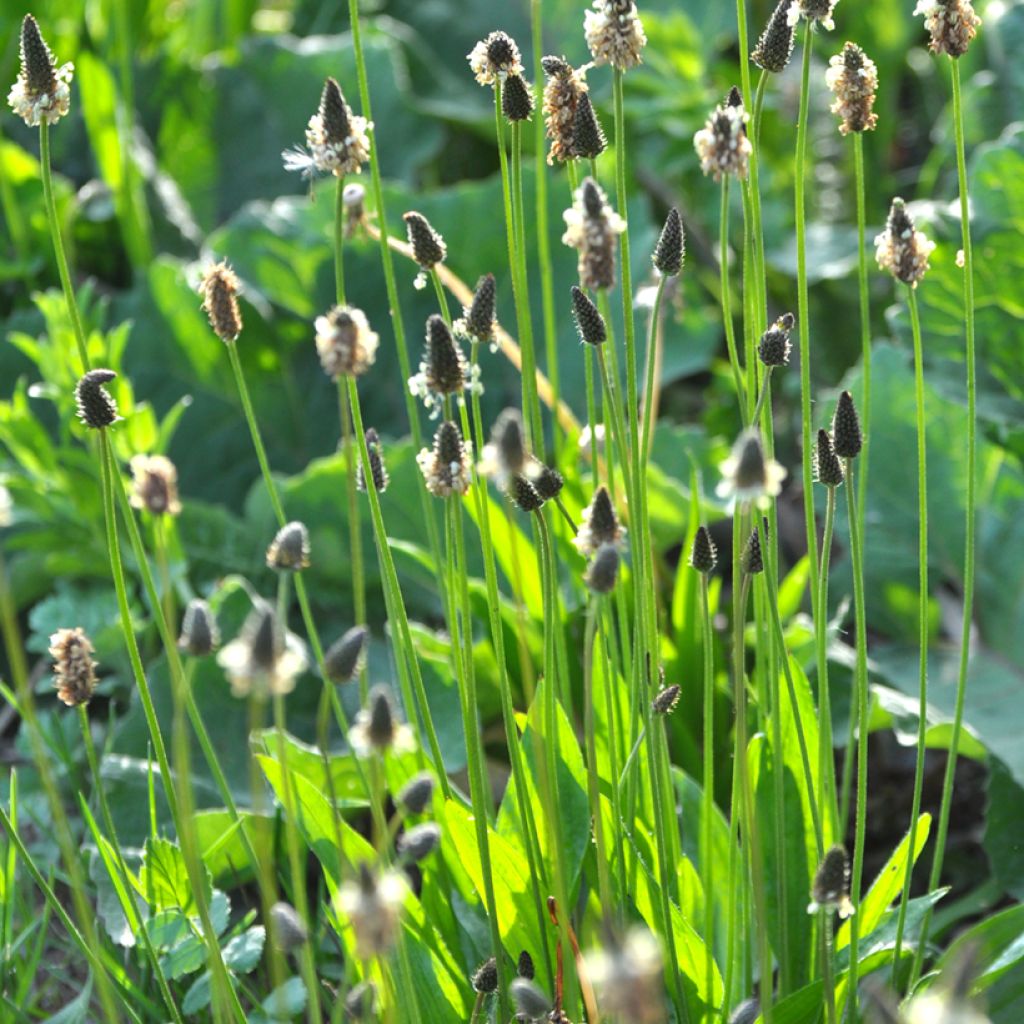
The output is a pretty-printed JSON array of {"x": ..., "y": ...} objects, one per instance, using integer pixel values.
[
  {"x": 603, "y": 522},
  {"x": 448, "y": 445},
  {"x": 517, "y": 99},
  {"x": 775, "y": 47},
  {"x": 416, "y": 794},
  {"x": 523, "y": 494},
  {"x": 751, "y": 559},
  {"x": 219, "y": 289},
  {"x": 830, "y": 890},
  {"x": 502, "y": 52},
  {"x": 555, "y": 66},
  {"x": 593, "y": 198},
  {"x": 827, "y": 467},
  {"x": 428, "y": 248},
  {"x": 286, "y": 927},
  {"x": 507, "y": 435},
  {"x": 480, "y": 315},
  {"x": 381, "y": 726},
  {"x": 199, "y": 633},
  {"x": 704, "y": 556},
  {"x": 485, "y": 977},
  {"x": 531, "y": 1001},
  {"x": 73, "y": 668},
  {"x": 334, "y": 113},
  {"x": 670, "y": 250},
  {"x": 588, "y": 139},
  {"x": 345, "y": 658},
  {"x": 37, "y": 63},
  {"x": 547, "y": 481},
  {"x": 589, "y": 322},
  {"x": 264, "y": 636},
  {"x": 603, "y": 571},
  {"x": 735, "y": 97},
  {"x": 847, "y": 437},
  {"x": 96, "y": 409},
  {"x": 445, "y": 364},
  {"x": 419, "y": 842},
  {"x": 666, "y": 700},
  {"x": 378, "y": 471},
  {"x": 774, "y": 347},
  {"x": 524, "y": 966},
  {"x": 290, "y": 548}
]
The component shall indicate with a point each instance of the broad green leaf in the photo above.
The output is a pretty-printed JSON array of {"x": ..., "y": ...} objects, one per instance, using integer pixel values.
[
  {"x": 243, "y": 952},
  {"x": 164, "y": 878},
  {"x": 996, "y": 946},
  {"x": 77, "y": 1011}
]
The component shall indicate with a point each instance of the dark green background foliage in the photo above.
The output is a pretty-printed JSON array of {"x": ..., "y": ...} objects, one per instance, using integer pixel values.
[{"x": 222, "y": 89}]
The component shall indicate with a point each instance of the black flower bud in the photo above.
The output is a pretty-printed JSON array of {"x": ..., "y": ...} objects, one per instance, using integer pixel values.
[
  {"x": 669, "y": 252},
  {"x": 199, "y": 633},
  {"x": 524, "y": 966},
  {"x": 775, "y": 47},
  {"x": 848, "y": 439},
  {"x": 290, "y": 548},
  {"x": 666, "y": 700},
  {"x": 704, "y": 556},
  {"x": 445, "y": 364},
  {"x": 588, "y": 139},
  {"x": 523, "y": 494},
  {"x": 345, "y": 657},
  {"x": 589, "y": 322},
  {"x": 480, "y": 316},
  {"x": 827, "y": 466},
  {"x": 378, "y": 471},
  {"x": 419, "y": 842},
  {"x": 96, "y": 409},
  {"x": 751, "y": 559},
  {"x": 547, "y": 482},
  {"x": 334, "y": 113},
  {"x": 416, "y": 794},
  {"x": 516, "y": 99},
  {"x": 485, "y": 977},
  {"x": 774, "y": 347},
  {"x": 604, "y": 569},
  {"x": 428, "y": 248}
]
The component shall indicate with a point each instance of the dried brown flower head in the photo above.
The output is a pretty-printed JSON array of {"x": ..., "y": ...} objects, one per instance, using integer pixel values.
[
  {"x": 853, "y": 77},
  {"x": 592, "y": 227},
  {"x": 495, "y": 58},
  {"x": 952, "y": 25},
  {"x": 346, "y": 345},
  {"x": 722, "y": 144},
  {"x": 219, "y": 289},
  {"x": 901, "y": 248},
  {"x": 562, "y": 92},
  {"x": 155, "y": 485},
  {"x": 614, "y": 33},
  {"x": 41, "y": 92},
  {"x": 73, "y": 668}
]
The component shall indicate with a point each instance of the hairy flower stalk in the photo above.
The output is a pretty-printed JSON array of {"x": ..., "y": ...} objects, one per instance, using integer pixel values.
[{"x": 853, "y": 78}]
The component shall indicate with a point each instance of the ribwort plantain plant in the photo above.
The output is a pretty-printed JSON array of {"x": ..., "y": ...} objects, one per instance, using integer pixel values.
[{"x": 570, "y": 757}]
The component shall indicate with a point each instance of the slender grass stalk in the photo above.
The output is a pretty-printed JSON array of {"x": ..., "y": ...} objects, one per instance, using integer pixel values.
[
  {"x": 826, "y": 768},
  {"x": 861, "y": 689},
  {"x": 224, "y": 990},
  {"x": 339, "y": 242},
  {"x": 649, "y": 410},
  {"x": 547, "y": 279},
  {"x": 708, "y": 796},
  {"x": 922, "y": 621},
  {"x": 13, "y": 647},
  {"x": 517, "y": 267},
  {"x": 58, "y": 245},
  {"x": 757, "y": 221},
  {"x": 865, "y": 337},
  {"x": 970, "y": 529},
  {"x": 135, "y": 922},
  {"x": 803, "y": 309},
  {"x": 354, "y": 527},
  {"x": 726, "y": 300},
  {"x": 827, "y": 969}
]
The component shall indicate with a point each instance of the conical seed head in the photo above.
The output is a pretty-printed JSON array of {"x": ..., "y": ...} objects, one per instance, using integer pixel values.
[
  {"x": 509, "y": 438},
  {"x": 416, "y": 794},
  {"x": 523, "y": 494},
  {"x": 548, "y": 482},
  {"x": 428, "y": 248},
  {"x": 900, "y": 222},
  {"x": 593, "y": 198},
  {"x": 448, "y": 443},
  {"x": 289, "y": 548},
  {"x": 588, "y": 138},
  {"x": 199, "y": 633},
  {"x": 832, "y": 879},
  {"x": 334, "y": 113},
  {"x": 485, "y": 977},
  {"x": 381, "y": 727},
  {"x": 826, "y": 463},
  {"x": 847, "y": 436},
  {"x": 751, "y": 559},
  {"x": 774, "y": 347},
  {"x": 667, "y": 700},
  {"x": 775, "y": 47},
  {"x": 735, "y": 97},
  {"x": 751, "y": 471},
  {"x": 420, "y": 841},
  {"x": 480, "y": 318},
  {"x": 517, "y": 99},
  {"x": 529, "y": 998},
  {"x": 589, "y": 322},
  {"x": 96, "y": 409},
  {"x": 670, "y": 250},
  {"x": 345, "y": 658},
  {"x": 37, "y": 61},
  {"x": 264, "y": 638},
  {"x": 445, "y": 371},
  {"x": 524, "y": 966},
  {"x": 704, "y": 555},
  {"x": 604, "y": 523},
  {"x": 378, "y": 471},
  {"x": 604, "y": 570}
]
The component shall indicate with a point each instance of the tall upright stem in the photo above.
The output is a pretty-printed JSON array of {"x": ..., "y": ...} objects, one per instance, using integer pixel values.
[
  {"x": 826, "y": 769},
  {"x": 726, "y": 299},
  {"x": 708, "y": 795},
  {"x": 969, "y": 537},
  {"x": 803, "y": 311},
  {"x": 922, "y": 621}
]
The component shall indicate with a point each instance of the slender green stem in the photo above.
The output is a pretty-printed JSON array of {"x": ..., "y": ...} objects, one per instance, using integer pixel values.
[
  {"x": 223, "y": 987},
  {"x": 355, "y": 532},
  {"x": 339, "y": 242},
  {"x": 58, "y": 245},
  {"x": 826, "y": 769},
  {"x": 708, "y": 812},
  {"x": 11, "y": 633},
  {"x": 649, "y": 412},
  {"x": 726, "y": 299},
  {"x": 827, "y": 968},
  {"x": 766, "y": 382},
  {"x": 757, "y": 221},
  {"x": 861, "y": 717},
  {"x": 922, "y": 618},
  {"x": 804, "y": 312},
  {"x": 969, "y": 536}
]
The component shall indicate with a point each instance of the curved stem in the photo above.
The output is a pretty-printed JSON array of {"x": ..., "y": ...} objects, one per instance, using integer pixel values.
[
  {"x": 726, "y": 300},
  {"x": 969, "y": 536},
  {"x": 922, "y": 622},
  {"x": 707, "y": 856}
]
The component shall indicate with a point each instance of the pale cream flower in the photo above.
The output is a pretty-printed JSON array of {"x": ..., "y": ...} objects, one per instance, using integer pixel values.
[
  {"x": 155, "y": 485},
  {"x": 747, "y": 474},
  {"x": 373, "y": 905},
  {"x": 628, "y": 978},
  {"x": 264, "y": 657},
  {"x": 345, "y": 343},
  {"x": 614, "y": 33},
  {"x": 495, "y": 58}
]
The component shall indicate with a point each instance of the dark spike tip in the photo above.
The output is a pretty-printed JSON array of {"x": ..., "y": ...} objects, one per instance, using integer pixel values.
[
  {"x": 589, "y": 322},
  {"x": 517, "y": 99},
  {"x": 670, "y": 250},
  {"x": 704, "y": 554},
  {"x": 847, "y": 436},
  {"x": 588, "y": 138}
]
